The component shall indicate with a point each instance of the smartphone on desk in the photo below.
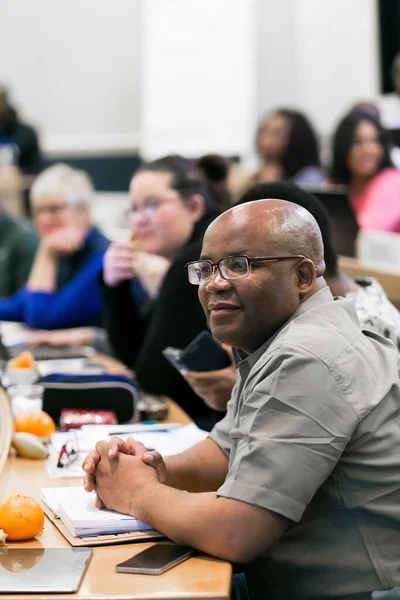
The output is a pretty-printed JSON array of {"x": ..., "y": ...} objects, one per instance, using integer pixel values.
[
  {"x": 155, "y": 560},
  {"x": 202, "y": 354}
]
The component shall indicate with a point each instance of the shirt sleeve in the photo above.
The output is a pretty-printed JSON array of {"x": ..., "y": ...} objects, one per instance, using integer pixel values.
[
  {"x": 376, "y": 313},
  {"x": 12, "y": 308},
  {"x": 78, "y": 303},
  {"x": 291, "y": 431}
]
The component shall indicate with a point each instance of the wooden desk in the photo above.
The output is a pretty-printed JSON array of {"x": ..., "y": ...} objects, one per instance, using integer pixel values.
[{"x": 197, "y": 578}]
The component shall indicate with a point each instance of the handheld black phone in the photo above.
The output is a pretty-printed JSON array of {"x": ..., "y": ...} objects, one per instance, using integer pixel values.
[
  {"x": 202, "y": 354},
  {"x": 155, "y": 560}
]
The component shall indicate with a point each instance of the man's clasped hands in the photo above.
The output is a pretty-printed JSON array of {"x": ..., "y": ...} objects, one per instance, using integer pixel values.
[{"x": 123, "y": 473}]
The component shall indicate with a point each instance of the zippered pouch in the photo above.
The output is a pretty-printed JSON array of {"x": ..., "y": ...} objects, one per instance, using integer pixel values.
[{"x": 90, "y": 392}]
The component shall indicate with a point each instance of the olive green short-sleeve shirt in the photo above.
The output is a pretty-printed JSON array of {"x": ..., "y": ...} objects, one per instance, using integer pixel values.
[{"x": 312, "y": 433}]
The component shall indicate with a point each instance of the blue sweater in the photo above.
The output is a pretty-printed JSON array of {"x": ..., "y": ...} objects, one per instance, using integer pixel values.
[{"x": 77, "y": 299}]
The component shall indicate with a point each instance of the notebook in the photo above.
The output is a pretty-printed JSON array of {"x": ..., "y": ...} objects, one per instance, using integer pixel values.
[
  {"x": 32, "y": 570},
  {"x": 76, "y": 508}
]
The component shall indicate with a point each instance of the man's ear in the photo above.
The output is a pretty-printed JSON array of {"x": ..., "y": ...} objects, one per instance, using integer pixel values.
[
  {"x": 306, "y": 276},
  {"x": 196, "y": 206}
]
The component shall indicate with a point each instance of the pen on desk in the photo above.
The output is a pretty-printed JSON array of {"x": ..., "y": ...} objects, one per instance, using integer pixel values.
[{"x": 139, "y": 431}]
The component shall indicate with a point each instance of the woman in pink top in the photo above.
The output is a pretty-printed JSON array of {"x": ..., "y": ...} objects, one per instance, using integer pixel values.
[{"x": 361, "y": 160}]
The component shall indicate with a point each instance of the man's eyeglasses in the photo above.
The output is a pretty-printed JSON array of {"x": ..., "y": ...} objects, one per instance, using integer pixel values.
[{"x": 230, "y": 267}]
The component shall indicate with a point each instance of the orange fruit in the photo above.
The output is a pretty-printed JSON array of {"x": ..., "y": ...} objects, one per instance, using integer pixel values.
[
  {"x": 24, "y": 360},
  {"x": 39, "y": 423},
  {"x": 21, "y": 518}
]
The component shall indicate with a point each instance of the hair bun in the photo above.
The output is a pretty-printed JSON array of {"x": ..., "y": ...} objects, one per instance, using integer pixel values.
[{"x": 214, "y": 166}]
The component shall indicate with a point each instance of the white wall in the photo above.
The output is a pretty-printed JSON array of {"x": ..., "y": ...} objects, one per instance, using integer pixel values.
[
  {"x": 198, "y": 77},
  {"x": 73, "y": 67},
  {"x": 319, "y": 55}
]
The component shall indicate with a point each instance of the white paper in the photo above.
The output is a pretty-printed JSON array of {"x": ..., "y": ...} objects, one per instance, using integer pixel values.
[
  {"x": 164, "y": 438},
  {"x": 168, "y": 439}
]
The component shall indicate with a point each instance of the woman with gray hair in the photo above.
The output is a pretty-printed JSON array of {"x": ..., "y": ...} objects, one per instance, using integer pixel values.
[{"x": 62, "y": 290}]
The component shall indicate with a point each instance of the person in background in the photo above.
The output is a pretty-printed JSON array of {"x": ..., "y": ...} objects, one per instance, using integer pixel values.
[
  {"x": 361, "y": 161},
  {"x": 300, "y": 481},
  {"x": 148, "y": 270},
  {"x": 287, "y": 147},
  {"x": 389, "y": 104},
  {"x": 62, "y": 289},
  {"x": 173, "y": 202},
  {"x": 18, "y": 245},
  {"x": 371, "y": 109},
  {"x": 374, "y": 310},
  {"x": 21, "y": 138}
]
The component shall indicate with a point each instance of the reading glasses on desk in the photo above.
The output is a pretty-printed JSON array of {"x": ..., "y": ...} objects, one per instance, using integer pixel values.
[{"x": 69, "y": 452}]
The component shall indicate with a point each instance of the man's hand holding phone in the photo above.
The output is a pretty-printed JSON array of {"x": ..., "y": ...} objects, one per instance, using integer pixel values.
[{"x": 214, "y": 387}]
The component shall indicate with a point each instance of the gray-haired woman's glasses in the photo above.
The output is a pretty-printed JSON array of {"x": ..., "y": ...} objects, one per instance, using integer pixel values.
[{"x": 230, "y": 267}]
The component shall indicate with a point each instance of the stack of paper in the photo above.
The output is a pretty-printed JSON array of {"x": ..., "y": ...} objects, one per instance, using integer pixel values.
[
  {"x": 77, "y": 510},
  {"x": 168, "y": 439}
]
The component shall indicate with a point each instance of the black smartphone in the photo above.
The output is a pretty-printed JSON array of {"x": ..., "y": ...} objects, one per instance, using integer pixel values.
[
  {"x": 202, "y": 354},
  {"x": 155, "y": 560}
]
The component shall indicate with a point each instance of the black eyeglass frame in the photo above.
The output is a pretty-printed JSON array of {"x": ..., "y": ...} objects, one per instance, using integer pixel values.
[
  {"x": 68, "y": 454},
  {"x": 250, "y": 261}
]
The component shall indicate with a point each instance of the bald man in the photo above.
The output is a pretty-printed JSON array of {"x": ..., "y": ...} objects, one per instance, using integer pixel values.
[{"x": 301, "y": 480}]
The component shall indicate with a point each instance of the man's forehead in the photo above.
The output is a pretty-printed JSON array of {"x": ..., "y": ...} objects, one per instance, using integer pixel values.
[
  {"x": 244, "y": 237},
  {"x": 256, "y": 225},
  {"x": 261, "y": 217}
]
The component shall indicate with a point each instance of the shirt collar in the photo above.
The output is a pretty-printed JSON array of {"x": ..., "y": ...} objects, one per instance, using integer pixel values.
[{"x": 323, "y": 296}]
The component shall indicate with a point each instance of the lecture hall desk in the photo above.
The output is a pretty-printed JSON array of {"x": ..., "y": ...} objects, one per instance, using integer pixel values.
[{"x": 199, "y": 577}]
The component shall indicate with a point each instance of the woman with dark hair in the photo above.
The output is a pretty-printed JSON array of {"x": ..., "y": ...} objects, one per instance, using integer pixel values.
[
  {"x": 287, "y": 145},
  {"x": 361, "y": 160},
  {"x": 173, "y": 202}
]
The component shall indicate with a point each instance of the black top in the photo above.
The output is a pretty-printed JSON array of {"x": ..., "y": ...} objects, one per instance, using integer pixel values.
[{"x": 174, "y": 318}]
